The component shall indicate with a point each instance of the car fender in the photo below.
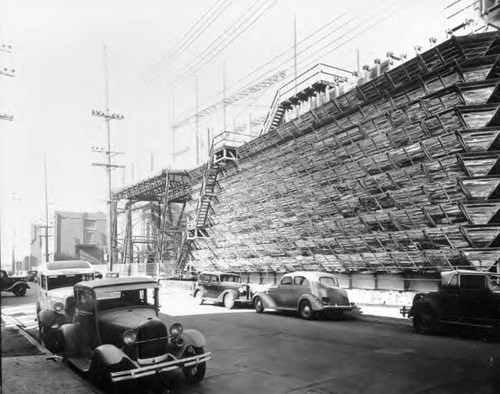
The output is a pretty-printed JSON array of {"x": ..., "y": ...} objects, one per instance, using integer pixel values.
[
  {"x": 47, "y": 318},
  {"x": 315, "y": 302},
  {"x": 71, "y": 339},
  {"x": 267, "y": 300},
  {"x": 193, "y": 337},
  {"x": 420, "y": 302},
  {"x": 111, "y": 355},
  {"x": 200, "y": 289},
  {"x": 18, "y": 283}
]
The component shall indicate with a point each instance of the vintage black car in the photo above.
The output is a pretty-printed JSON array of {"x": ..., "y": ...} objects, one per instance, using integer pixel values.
[
  {"x": 16, "y": 285},
  {"x": 116, "y": 335},
  {"x": 465, "y": 297},
  {"x": 222, "y": 287}
]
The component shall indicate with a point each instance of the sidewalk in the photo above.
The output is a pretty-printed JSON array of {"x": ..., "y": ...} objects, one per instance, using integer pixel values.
[{"x": 29, "y": 368}]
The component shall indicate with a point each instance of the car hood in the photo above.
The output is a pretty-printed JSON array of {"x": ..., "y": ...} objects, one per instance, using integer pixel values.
[
  {"x": 61, "y": 293},
  {"x": 127, "y": 318}
]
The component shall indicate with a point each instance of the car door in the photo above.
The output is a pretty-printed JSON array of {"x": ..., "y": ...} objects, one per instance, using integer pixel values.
[
  {"x": 4, "y": 280},
  {"x": 449, "y": 299},
  {"x": 282, "y": 294},
  {"x": 473, "y": 297},
  {"x": 300, "y": 286},
  {"x": 214, "y": 286}
]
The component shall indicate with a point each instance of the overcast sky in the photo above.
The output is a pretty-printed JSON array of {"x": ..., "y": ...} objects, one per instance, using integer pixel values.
[{"x": 58, "y": 57}]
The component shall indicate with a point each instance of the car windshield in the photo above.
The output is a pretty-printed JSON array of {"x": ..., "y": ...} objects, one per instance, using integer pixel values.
[
  {"x": 328, "y": 281},
  {"x": 57, "y": 281},
  {"x": 111, "y": 299},
  {"x": 230, "y": 278}
]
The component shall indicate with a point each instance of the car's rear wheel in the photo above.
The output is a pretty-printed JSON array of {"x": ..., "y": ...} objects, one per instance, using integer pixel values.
[
  {"x": 19, "y": 290},
  {"x": 198, "y": 297},
  {"x": 229, "y": 300},
  {"x": 424, "y": 319},
  {"x": 258, "y": 304},
  {"x": 196, "y": 372},
  {"x": 305, "y": 310}
]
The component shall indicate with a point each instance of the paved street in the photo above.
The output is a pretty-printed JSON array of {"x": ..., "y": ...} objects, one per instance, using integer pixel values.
[{"x": 275, "y": 353}]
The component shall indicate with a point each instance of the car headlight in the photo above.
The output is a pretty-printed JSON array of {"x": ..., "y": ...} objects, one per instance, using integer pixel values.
[
  {"x": 176, "y": 329},
  {"x": 58, "y": 306},
  {"x": 129, "y": 337}
]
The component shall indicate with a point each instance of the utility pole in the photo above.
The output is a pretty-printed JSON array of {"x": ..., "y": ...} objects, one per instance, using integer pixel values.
[
  {"x": 9, "y": 73},
  {"x": 108, "y": 117},
  {"x": 46, "y": 213}
]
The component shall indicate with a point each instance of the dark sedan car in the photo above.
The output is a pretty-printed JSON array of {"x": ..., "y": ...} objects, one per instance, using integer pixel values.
[{"x": 117, "y": 336}]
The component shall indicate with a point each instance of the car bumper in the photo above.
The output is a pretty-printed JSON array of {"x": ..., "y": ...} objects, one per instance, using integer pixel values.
[
  {"x": 154, "y": 369},
  {"x": 339, "y": 307},
  {"x": 405, "y": 311}
]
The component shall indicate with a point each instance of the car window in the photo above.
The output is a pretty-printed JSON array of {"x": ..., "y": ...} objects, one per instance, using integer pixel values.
[
  {"x": 230, "y": 278},
  {"x": 205, "y": 278},
  {"x": 214, "y": 279},
  {"x": 111, "y": 299},
  {"x": 453, "y": 281},
  {"x": 287, "y": 280},
  {"x": 85, "y": 300},
  {"x": 3, "y": 274},
  {"x": 329, "y": 281},
  {"x": 472, "y": 282},
  {"x": 300, "y": 281},
  {"x": 58, "y": 281},
  {"x": 495, "y": 282}
]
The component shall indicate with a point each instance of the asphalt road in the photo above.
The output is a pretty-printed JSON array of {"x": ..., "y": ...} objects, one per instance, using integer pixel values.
[{"x": 275, "y": 353}]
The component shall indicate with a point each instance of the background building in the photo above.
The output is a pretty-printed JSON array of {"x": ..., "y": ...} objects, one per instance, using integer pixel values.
[{"x": 80, "y": 235}]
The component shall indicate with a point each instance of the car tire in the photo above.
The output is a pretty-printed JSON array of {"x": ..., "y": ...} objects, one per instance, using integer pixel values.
[
  {"x": 305, "y": 310},
  {"x": 424, "y": 319},
  {"x": 19, "y": 290},
  {"x": 198, "y": 297},
  {"x": 229, "y": 301},
  {"x": 258, "y": 304},
  {"x": 194, "y": 373},
  {"x": 100, "y": 375}
]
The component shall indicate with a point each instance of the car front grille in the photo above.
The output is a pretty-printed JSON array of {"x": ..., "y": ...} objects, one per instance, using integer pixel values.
[{"x": 152, "y": 339}]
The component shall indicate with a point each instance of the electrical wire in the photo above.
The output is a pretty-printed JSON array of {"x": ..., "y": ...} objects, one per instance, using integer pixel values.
[
  {"x": 212, "y": 51},
  {"x": 180, "y": 46}
]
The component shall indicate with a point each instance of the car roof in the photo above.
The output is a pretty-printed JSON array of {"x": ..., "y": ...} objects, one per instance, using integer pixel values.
[
  {"x": 65, "y": 267},
  {"x": 110, "y": 282},
  {"x": 449, "y": 274},
  {"x": 309, "y": 274},
  {"x": 218, "y": 273}
]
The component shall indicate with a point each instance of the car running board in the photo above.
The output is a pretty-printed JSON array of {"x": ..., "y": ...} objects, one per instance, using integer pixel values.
[
  {"x": 82, "y": 363},
  {"x": 456, "y": 323}
]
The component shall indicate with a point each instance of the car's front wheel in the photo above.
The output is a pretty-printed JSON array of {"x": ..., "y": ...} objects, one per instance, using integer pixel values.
[
  {"x": 196, "y": 372},
  {"x": 305, "y": 310},
  {"x": 424, "y": 319},
  {"x": 258, "y": 304},
  {"x": 19, "y": 290},
  {"x": 198, "y": 297}
]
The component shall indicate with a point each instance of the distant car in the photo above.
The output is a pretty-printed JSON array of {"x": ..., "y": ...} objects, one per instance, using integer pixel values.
[
  {"x": 117, "y": 335},
  {"x": 308, "y": 292},
  {"x": 222, "y": 287},
  {"x": 467, "y": 298},
  {"x": 14, "y": 284},
  {"x": 32, "y": 275},
  {"x": 55, "y": 305}
]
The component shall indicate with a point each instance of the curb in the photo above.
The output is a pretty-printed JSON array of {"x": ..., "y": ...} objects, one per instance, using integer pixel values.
[{"x": 11, "y": 322}]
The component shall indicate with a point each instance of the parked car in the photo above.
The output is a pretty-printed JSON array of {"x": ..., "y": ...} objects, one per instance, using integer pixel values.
[
  {"x": 117, "y": 335},
  {"x": 222, "y": 287},
  {"x": 14, "y": 284},
  {"x": 32, "y": 275},
  {"x": 308, "y": 292},
  {"x": 469, "y": 298},
  {"x": 55, "y": 305}
]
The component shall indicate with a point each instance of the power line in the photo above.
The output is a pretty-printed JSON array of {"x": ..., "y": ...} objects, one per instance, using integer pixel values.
[
  {"x": 198, "y": 28},
  {"x": 224, "y": 40}
]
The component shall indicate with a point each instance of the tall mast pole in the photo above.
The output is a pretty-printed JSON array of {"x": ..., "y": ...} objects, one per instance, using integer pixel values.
[{"x": 108, "y": 118}]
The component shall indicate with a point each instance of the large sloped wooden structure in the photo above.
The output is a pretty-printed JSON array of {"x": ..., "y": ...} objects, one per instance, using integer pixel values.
[{"x": 399, "y": 174}]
